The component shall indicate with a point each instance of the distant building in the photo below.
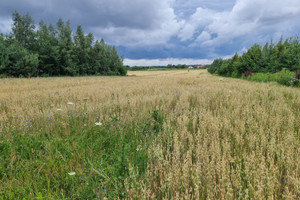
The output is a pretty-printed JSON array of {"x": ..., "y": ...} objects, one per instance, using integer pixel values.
[
  {"x": 200, "y": 66},
  {"x": 191, "y": 67}
]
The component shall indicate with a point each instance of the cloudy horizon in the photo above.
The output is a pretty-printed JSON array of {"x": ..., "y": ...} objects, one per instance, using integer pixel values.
[{"x": 160, "y": 32}]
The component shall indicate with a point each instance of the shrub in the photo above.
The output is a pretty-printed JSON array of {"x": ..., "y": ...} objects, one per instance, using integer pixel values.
[
  {"x": 284, "y": 77},
  {"x": 259, "y": 77}
]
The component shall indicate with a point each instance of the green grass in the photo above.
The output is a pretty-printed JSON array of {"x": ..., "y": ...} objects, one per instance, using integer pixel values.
[
  {"x": 284, "y": 77},
  {"x": 37, "y": 156}
]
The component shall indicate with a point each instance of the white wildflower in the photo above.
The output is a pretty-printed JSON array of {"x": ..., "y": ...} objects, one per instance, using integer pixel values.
[
  {"x": 72, "y": 173},
  {"x": 98, "y": 123},
  {"x": 70, "y": 103}
]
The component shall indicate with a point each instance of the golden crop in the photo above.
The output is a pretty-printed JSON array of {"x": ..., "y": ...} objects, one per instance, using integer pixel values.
[{"x": 222, "y": 138}]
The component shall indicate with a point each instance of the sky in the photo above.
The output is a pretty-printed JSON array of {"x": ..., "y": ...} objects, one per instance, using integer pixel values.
[{"x": 161, "y": 32}]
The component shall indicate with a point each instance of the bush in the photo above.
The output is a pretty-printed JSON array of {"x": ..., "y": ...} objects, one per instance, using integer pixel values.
[
  {"x": 284, "y": 77},
  {"x": 259, "y": 77},
  {"x": 122, "y": 70}
]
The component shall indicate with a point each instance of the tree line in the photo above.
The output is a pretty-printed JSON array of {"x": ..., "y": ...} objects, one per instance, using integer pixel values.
[
  {"x": 270, "y": 58},
  {"x": 48, "y": 50}
]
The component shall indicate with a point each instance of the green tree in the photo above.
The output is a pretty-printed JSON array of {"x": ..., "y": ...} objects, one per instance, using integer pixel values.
[
  {"x": 234, "y": 65},
  {"x": 19, "y": 61},
  {"x": 215, "y": 65},
  {"x": 4, "y": 57},
  {"x": 82, "y": 50},
  {"x": 66, "y": 64},
  {"x": 52, "y": 51},
  {"x": 89, "y": 40},
  {"x": 48, "y": 51},
  {"x": 104, "y": 58},
  {"x": 251, "y": 59},
  {"x": 23, "y": 29}
]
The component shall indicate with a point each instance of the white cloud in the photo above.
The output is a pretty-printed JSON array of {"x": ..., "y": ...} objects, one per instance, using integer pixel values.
[
  {"x": 248, "y": 18},
  {"x": 201, "y": 18},
  {"x": 204, "y": 36},
  {"x": 187, "y": 32},
  {"x": 5, "y": 25},
  {"x": 165, "y": 62}
]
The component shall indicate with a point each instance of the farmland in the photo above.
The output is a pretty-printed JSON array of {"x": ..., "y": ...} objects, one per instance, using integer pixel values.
[{"x": 152, "y": 134}]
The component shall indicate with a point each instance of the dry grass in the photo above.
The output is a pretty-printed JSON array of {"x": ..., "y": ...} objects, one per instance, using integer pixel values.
[{"x": 221, "y": 138}]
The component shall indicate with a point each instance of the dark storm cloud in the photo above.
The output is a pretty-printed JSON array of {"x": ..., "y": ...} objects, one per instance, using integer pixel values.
[
  {"x": 136, "y": 14},
  {"x": 163, "y": 29}
]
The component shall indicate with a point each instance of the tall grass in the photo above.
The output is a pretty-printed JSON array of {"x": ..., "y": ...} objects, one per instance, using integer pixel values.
[{"x": 163, "y": 135}]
